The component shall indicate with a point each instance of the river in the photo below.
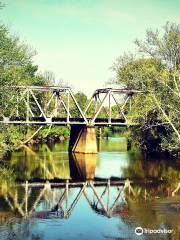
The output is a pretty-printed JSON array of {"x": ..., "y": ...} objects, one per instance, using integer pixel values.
[{"x": 57, "y": 195}]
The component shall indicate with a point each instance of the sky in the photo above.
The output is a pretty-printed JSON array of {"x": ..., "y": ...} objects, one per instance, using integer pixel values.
[{"x": 79, "y": 40}]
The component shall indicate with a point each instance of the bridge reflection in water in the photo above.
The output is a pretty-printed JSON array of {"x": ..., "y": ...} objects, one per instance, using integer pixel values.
[
  {"x": 53, "y": 190},
  {"x": 68, "y": 183},
  {"x": 59, "y": 199}
]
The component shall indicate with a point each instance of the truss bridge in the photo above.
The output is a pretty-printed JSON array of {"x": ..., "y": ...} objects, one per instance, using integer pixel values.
[
  {"x": 50, "y": 105},
  {"x": 58, "y": 106}
]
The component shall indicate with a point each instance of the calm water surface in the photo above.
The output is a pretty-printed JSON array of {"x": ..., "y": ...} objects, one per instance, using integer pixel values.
[{"x": 65, "y": 196}]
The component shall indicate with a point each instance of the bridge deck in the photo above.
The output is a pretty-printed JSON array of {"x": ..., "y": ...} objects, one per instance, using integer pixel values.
[
  {"x": 63, "y": 121},
  {"x": 96, "y": 182}
]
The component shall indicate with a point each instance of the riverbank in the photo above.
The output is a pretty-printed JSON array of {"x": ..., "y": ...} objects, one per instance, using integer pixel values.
[{"x": 17, "y": 136}]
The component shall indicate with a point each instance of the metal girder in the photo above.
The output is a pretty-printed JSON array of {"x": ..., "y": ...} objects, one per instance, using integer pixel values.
[
  {"x": 42, "y": 88},
  {"x": 44, "y": 105},
  {"x": 117, "y": 90},
  {"x": 56, "y": 107},
  {"x": 105, "y": 99}
]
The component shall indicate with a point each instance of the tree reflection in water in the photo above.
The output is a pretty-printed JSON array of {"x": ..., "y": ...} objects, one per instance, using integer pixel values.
[
  {"x": 52, "y": 188},
  {"x": 108, "y": 198}
]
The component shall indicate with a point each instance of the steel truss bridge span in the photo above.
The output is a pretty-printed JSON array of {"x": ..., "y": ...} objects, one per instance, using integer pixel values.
[{"x": 50, "y": 105}]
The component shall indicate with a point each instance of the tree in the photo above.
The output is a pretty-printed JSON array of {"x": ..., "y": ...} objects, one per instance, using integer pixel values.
[
  {"x": 81, "y": 99},
  {"x": 165, "y": 47},
  {"x": 156, "y": 72},
  {"x": 16, "y": 68}
]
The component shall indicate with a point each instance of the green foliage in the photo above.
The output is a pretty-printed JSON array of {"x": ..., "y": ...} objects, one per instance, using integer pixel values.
[
  {"x": 16, "y": 68},
  {"x": 54, "y": 131},
  {"x": 106, "y": 132},
  {"x": 10, "y": 137},
  {"x": 157, "y": 72},
  {"x": 81, "y": 99},
  {"x": 162, "y": 46}
]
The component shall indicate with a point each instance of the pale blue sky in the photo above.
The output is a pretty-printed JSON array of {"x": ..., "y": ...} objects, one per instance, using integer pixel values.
[{"x": 80, "y": 39}]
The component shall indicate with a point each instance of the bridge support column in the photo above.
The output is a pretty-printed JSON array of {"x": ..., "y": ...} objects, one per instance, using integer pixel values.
[{"x": 83, "y": 139}]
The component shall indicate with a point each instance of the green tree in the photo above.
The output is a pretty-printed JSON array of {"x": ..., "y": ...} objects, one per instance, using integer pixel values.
[
  {"x": 81, "y": 99},
  {"x": 165, "y": 47},
  {"x": 16, "y": 68},
  {"x": 156, "y": 71}
]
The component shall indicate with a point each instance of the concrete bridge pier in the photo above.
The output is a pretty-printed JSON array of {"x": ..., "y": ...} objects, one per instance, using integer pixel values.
[{"x": 82, "y": 139}]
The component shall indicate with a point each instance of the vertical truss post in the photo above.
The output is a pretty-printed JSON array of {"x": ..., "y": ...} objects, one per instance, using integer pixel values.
[
  {"x": 109, "y": 119},
  {"x": 17, "y": 108},
  {"x": 96, "y": 101},
  {"x": 145, "y": 194},
  {"x": 26, "y": 198},
  {"x": 130, "y": 103},
  {"x": 108, "y": 200},
  {"x": 56, "y": 106},
  {"x": 67, "y": 192},
  {"x": 27, "y": 111},
  {"x": 68, "y": 107}
]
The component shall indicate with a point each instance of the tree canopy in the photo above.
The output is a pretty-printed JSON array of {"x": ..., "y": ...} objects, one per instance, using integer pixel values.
[
  {"x": 16, "y": 68},
  {"x": 155, "y": 69}
]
